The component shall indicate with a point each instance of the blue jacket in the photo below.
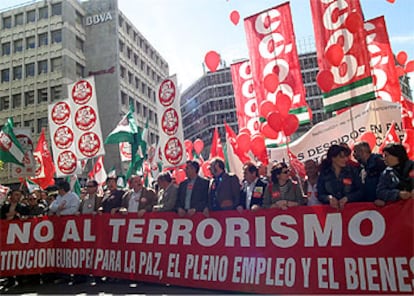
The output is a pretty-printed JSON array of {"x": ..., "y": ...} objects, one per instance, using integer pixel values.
[
  {"x": 395, "y": 179},
  {"x": 373, "y": 169},
  {"x": 347, "y": 184}
]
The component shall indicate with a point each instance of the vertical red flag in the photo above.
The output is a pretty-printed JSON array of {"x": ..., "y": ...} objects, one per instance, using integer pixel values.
[
  {"x": 390, "y": 137},
  {"x": 345, "y": 74},
  {"x": 408, "y": 142},
  {"x": 216, "y": 147},
  {"x": 387, "y": 85},
  {"x": 245, "y": 96},
  {"x": 407, "y": 113},
  {"x": 274, "y": 59},
  {"x": 45, "y": 169}
]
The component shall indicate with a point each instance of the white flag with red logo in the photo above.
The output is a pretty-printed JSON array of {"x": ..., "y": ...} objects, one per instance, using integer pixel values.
[
  {"x": 344, "y": 70},
  {"x": 387, "y": 84},
  {"x": 98, "y": 172},
  {"x": 170, "y": 123}
]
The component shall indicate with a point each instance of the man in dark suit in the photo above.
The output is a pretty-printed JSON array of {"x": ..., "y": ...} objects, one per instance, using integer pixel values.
[
  {"x": 192, "y": 192},
  {"x": 253, "y": 188},
  {"x": 224, "y": 190}
]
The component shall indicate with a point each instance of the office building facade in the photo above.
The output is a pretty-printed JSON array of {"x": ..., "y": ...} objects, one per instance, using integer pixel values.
[{"x": 47, "y": 45}]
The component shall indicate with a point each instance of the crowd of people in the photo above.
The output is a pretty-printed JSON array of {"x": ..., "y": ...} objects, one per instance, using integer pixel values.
[{"x": 337, "y": 180}]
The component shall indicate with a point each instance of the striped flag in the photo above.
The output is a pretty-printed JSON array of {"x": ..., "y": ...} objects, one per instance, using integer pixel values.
[{"x": 10, "y": 148}]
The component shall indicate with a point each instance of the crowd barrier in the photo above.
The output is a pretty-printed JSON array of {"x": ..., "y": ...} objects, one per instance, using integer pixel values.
[{"x": 362, "y": 249}]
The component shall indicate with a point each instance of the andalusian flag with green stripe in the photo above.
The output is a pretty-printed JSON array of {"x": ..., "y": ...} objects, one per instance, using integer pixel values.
[
  {"x": 302, "y": 114},
  {"x": 348, "y": 95},
  {"x": 10, "y": 148}
]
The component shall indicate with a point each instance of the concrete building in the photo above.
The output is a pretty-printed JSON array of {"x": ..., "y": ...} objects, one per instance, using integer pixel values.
[{"x": 47, "y": 45}]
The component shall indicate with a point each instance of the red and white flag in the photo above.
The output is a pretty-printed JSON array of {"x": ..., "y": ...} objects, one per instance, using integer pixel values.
[
  {"x": 408, "y": 142},
  {"x": 247, "y": 109},
  {"x": 390, "y": 137},
  {"x": 216, "y": 149},
  {"x": 45, "y": 168},
  {"x": 274, "y": 59},
  {"x": 387, "y": 84},
  {"x": 407, "y": 113},
  {"x": 343, "y": 59},
  {"x": 98, "y": 172}
]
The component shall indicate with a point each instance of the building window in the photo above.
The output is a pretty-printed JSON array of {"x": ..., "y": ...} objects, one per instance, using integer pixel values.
[
  {"x": 30, "y": 69},
  {"x": 56, "y": 36},
  {"x": 42, "y": 67},
  {"x": 41, "y": 123},
  {"x": 80, "y": 70},
  {"x": 42, "y": 41},
  {"x": 29, "y": 98},
  {"x": 56, "y": 92},
  {"x": 136, "y": 59},
  {"x": 4, "y": 103},
  {"x": 129, "y": 52},
  {"x": 56, "y": 64},
  {"x": 123, "y": 71},
  {"x": 41, "y": 95},
  {"x": 7, "y": 22},
  {"x": 123, "y": 98},
  {"x": 16, "y": 101},
  {"x": 5, "y": 48},
  {"x": 17, "y": 73},
  {"x": 57, "y": 9},
  {"x": 142, "y": 65},
  {"x": 120, "y": 21},
  {"x": 30, "y": 16},
  {"x": 18, "y": 19},
  {"x": 79, "y": 18},
  {"x": 138, "y": 107},
  {"x": 136, "y": 83},
  {"x": 5, "y": 75},
  {"x": 144, "y": 111},
  {"x": 29, "y": 123},
  {"x": 30, "y": 42},
  {"x": 131, "y": 101},
  {"x": 130, "y": 77},
  {"x": 43, "y": 13},
  {"x": 79, "y": 44},
  {"x": 121, "y": 46},
  {"x": 18, "y": 45}
]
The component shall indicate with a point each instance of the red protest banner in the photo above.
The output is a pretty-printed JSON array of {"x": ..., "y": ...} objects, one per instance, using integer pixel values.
[{"x": 363, "y": 249}]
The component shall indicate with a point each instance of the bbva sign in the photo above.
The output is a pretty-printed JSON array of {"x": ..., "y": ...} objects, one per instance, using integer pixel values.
[{"x": 98, "y": 18}]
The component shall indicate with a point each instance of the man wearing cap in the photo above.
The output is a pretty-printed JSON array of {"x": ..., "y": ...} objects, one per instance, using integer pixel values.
[
  {"x": 192, "y": 194},
  {"x": 112, "y": 199},
  {"x": 67, "y": 202}
]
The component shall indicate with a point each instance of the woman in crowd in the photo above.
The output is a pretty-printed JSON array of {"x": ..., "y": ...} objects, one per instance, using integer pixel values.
[
  {"x": 283, "y": 192},
  {"x": 338, "y": 182},
  {"x": 397, "y": 180}
]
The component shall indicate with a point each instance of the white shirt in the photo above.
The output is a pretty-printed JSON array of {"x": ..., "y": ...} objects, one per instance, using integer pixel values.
[
  {"x": 249, "y": 193},
  {"x": 312, "y": 193},
  {"x": 70, "y": 201},
  {"x": 133, "y": 203}
]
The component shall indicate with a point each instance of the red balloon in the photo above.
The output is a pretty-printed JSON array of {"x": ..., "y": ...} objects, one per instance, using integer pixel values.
[
  {"x": 212, "y": 60},
  {"x": 243, "y": 142},
  {"x": 290, "y": 125},
  {"x": 409, "y": 67},
  {"x": 283, "y": 103},
  {"x": 370, "y": 138},
  {"x": 400, "y": 71},
  {"x": 325, "y": 80},
  {"x": 188, "y": 145},
  {"x": 258, "y": 146},
  {"x": 271, "y": 82},
  {"x": 402, "y": 57},
  {"x": 391, "y": 1},
  {"x": 266, "y": 107},
  {"x": 354, "y": 23},
  {"x": 334, "y": 54},
  {"x": 180, "y": 176},
  {"x": 198, "y": 146},
  {"x": 275, "y": 120},
  {"x": 235, "y": 17},
  {"x": 267, "y": 131}
]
